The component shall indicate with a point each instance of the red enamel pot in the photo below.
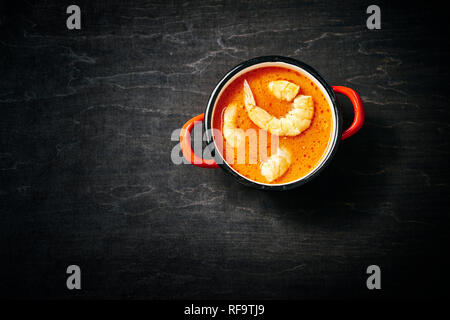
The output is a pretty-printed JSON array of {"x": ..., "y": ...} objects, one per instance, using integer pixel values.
[{"x": 298, "y": 66}]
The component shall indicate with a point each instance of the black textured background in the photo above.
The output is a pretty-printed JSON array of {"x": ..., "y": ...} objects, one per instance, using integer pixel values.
[{"x": 86, "y": 178}]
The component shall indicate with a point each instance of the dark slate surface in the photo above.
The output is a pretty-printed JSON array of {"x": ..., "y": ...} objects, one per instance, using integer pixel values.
[{"x": 86, "y": 176}]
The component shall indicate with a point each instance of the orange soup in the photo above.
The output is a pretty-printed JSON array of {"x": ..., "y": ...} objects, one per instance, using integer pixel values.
[{"x": 306, "y": 148}]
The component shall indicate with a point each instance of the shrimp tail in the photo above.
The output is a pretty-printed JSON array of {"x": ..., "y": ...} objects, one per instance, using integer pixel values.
[{"x": 249, "y": 99}]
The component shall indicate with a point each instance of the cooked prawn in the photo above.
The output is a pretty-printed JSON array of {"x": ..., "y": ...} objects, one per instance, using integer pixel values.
[
  {"x": 284, "y": 90},
  {"x": 276, "y": 165},
  {"x": 297, "y": 120},
  {"x": 233, "y": 135}
]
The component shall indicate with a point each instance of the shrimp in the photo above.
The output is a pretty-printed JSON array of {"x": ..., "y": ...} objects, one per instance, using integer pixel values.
[
  {"x": 284, "y": 90},
  {"x": 276, "y": 165},
  {"x": 234, "y": 136},
  {"x": 297, "y": 120}
]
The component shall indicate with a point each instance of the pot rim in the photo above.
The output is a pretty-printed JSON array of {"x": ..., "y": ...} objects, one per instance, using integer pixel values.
[{"x": 265, "y": 59}]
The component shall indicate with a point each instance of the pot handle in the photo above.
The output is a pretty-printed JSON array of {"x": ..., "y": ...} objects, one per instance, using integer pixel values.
[
  {"x": 186, "y": 148},
  {"x": 358, "y": 106}
]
